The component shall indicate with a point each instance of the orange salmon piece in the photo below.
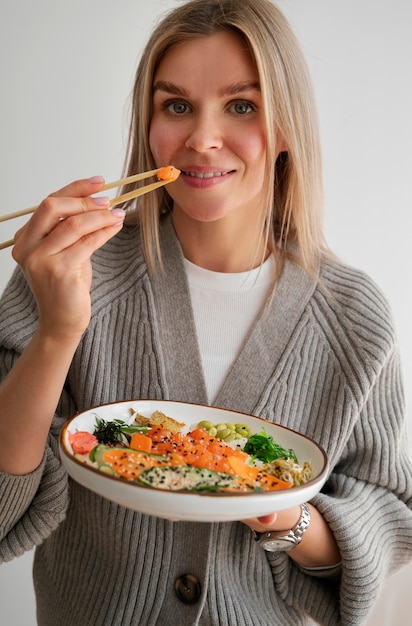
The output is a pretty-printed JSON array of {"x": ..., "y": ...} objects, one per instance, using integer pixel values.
[{"x": 168, "y": 173}]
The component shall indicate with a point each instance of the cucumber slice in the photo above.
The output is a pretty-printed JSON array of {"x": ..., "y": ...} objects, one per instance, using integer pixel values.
[
  {"x": 97, "y": 454},
  {"x": 186, "y": 478},
  {"x": 107, "y": 469}
]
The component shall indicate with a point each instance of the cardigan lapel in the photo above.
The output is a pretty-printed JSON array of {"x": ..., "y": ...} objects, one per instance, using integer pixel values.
[
  {"x": 176, "y": 323},
  {"x": 267, "y": 341},
  {"x": 261, "y": 352}
]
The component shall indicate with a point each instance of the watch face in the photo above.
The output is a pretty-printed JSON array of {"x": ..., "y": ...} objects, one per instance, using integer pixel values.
[
  {"x": 281, "y": 544},
  {"x": 286, "y": 542}
]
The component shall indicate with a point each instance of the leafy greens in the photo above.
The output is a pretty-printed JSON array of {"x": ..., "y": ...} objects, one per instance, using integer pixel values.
[
  {"x": 263, "y": 447},
  {"x": 116, "y": 431}
]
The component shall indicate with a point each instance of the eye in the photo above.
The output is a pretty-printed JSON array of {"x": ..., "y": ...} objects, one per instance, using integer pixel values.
[
  {"x": 242, "y": 107},
  {"x": 176, "y": 107}
]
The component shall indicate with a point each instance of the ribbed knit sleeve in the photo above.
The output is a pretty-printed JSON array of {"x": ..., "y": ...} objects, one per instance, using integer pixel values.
[
  {"x": 353, "y": 404},
  {"x": 32, "y": 506},
  {"x": 104, "y": 369},
  {"x": 372, "y": 479}
]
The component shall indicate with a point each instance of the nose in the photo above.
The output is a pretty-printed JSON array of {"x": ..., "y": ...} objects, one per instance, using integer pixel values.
[{"x": 204, "y": 134}]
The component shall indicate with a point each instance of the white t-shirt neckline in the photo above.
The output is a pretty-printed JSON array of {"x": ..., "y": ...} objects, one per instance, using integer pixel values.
[{"x": 225, "y": 307}]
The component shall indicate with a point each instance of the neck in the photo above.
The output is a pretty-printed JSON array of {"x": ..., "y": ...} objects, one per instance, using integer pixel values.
[{"x": 219, "y": 246}]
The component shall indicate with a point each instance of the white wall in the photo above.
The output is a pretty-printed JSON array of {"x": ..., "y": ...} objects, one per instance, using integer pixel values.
[{"x": 66, "y": 71}]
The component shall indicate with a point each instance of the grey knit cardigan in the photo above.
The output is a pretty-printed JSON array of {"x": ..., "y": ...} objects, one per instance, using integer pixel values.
[{"x": 322, "y": 360}]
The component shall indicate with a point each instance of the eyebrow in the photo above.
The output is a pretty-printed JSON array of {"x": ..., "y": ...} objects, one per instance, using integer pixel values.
[{"x": 230, "y": 90}]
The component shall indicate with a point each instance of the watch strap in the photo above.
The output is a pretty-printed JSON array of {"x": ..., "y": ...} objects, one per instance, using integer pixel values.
[{"x": 277, "y": 541}]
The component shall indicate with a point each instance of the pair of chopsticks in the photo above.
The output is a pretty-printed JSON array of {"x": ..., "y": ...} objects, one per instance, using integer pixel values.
[{"x": 168, "y": 178}]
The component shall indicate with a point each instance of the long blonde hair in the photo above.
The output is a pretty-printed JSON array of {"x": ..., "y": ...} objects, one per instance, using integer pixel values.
[{"x": 292, "y": 211}]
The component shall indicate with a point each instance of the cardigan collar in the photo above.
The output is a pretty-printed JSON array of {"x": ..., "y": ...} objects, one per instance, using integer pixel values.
[{"x": 255, "y": 367}]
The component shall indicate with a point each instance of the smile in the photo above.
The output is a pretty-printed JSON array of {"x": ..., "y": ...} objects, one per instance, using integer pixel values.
[{"x": 204, "y": 174}]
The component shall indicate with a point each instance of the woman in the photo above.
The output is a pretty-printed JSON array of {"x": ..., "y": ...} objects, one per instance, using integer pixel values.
[{"x": 218, "y": 291}]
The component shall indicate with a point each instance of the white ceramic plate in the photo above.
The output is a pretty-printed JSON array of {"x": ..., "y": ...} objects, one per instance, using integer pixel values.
[{"x": 202, "y": 507}]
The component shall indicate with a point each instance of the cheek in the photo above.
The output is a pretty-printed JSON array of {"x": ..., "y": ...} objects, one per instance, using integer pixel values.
[
  {"x": 256, "y": 145},
  {"x": 163, "y": 143},
  {"x": 250, "y": 146}
]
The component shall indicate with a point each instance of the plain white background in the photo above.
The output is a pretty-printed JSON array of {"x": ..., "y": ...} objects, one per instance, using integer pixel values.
[{"x": 66, "y": 70}]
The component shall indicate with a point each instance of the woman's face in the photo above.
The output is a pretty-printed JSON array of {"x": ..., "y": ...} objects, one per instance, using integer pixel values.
[{"x": 208, "y": 122}]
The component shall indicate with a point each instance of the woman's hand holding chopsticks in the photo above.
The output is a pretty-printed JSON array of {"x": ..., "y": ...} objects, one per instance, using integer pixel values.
[
  {"x": 54, "y": 249},
  {"x": 165, "y": 175}
]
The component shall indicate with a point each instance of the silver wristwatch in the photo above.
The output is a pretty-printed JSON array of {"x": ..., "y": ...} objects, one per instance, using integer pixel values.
[{"x": 273, "y": 542}]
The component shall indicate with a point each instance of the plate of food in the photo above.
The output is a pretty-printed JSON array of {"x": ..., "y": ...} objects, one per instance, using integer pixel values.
[{"x": 191, "y": 462}]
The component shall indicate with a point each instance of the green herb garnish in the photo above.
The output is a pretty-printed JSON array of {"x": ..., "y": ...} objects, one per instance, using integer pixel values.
[
  {"x": 262, "y": 446},
  {"x": 116, "y": 431}
]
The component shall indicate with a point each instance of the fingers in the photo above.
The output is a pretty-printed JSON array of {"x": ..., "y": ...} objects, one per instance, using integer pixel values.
[
  {"x": 52, "y": 210},
  {"x": 80, "y": 188},
  {"x": 54, "y": 250},
  {"x": 267, "y": 519},
  {"x": 263, "y": 523},
  {"x": 70, "y": 200},
  {"x": 68, "y": 217},
  {"x": 275, "y": 521}
]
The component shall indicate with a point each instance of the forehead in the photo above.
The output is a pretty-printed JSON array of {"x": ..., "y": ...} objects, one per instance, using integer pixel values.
[{"x": 222, "y": 56}]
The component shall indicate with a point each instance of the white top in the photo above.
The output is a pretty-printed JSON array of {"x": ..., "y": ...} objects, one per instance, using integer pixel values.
[{"x": 225, "y": 307}]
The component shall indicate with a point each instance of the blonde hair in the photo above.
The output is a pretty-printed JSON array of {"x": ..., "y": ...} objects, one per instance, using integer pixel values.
[{"x": 292, "y": 212}]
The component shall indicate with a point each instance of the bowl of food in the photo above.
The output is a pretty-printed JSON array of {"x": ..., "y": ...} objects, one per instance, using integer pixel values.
[{"x": 184, "y": 461}]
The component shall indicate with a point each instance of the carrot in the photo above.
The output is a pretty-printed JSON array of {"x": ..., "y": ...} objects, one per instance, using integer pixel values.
[
  {"x": 271, "y": 483},
  {"x": 168, "y": 173},
  {"x": 140, "y": 442},
  {"x": 82, "y": 442},
  {"x": 240, "y": 468}
]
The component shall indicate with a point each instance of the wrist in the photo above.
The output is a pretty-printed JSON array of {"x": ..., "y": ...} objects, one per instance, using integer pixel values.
[{"x": 50, "y": 338}]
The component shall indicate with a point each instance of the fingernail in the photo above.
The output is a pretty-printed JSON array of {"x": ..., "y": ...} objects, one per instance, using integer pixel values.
[
  {"x": 101, "y": 201},
  {"x": 96, "y": 180},
  {"x": 119, "y": 212}
]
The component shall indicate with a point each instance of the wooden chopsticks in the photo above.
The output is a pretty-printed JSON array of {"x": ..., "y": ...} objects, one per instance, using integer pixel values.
[{"x": 165, "y": 175}]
